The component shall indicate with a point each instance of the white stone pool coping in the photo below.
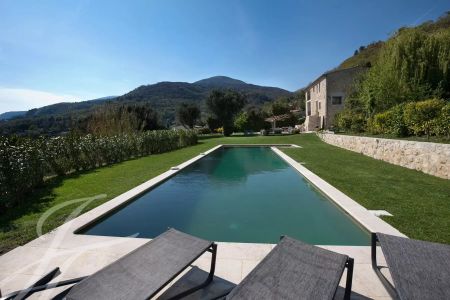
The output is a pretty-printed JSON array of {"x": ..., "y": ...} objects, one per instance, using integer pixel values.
[{"x": 80, "y": 255}]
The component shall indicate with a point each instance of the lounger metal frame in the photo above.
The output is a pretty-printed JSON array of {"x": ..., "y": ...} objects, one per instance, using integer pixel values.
[
  {"x": 43, "y": 283},
  {"x": 348, "y": 284},
  {"x": 386, "y": 283}
]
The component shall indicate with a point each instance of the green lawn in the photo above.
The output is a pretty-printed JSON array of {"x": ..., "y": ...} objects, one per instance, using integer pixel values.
[{"x": 420, "y": 203}]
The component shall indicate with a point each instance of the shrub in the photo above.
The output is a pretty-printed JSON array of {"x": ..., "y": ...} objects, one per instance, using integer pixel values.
[
  {"x": 203, "y": 130},
  {"x": 241, "y": 122},
  {"x": 24, "y": 161},
  {"x": 441, "y": 124},
  {"x": 348, "y": 120},
  {"x": 21, "y": 168},
  {"x": 428, "y": 117},
  {"x": 420, "y": 116},
  {"x": 389, "y": 122}
]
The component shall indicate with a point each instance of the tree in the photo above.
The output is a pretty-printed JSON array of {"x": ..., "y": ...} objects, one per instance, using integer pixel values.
[
  {"x": 224, "y": 105},
  {"x": 213, "y": 123},
  {"x": 256, "y": 119},
  {"x": 188, "y": 114},
  {"x": 280, "y": 107},
  {"x": 253, "y": 118},
  {"x": 412, "y": 66},
  {"x": 114, "y": 119},
  {"x": 284, "y": 105},
  {"x": 241, "y": 121}
]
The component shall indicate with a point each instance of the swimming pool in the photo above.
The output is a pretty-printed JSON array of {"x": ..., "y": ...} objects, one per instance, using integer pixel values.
[{"x": 235, "y": 194}]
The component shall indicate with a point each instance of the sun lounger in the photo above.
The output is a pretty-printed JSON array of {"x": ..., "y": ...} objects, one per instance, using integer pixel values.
[
  {"x": 295, "y": 270},
  {"x": 419, "y": 270},
  {"x": 140, "y": 274}
]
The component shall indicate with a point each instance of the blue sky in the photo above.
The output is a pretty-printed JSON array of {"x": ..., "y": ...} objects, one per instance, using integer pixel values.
[{"x": 52, "y": 51}]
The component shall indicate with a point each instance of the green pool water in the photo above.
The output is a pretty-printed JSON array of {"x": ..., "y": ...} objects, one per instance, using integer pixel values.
[{"x": 236, "y": 194}]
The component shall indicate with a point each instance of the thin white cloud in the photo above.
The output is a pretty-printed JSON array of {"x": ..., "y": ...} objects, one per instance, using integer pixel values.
[
  {"x": 422, "y": 17},
  {"x": 12, "y": 99}
]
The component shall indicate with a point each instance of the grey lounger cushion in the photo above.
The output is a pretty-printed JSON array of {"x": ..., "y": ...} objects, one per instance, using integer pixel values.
[
  {"x": 420, "y": 270},
  {"x": 293, "y": 270},
  {"x": 144, "y": 271}
]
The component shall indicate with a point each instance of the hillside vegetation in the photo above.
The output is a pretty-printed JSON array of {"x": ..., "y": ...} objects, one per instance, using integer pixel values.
[
  {"x": 364, "y": 56},
  {"x": 368, "y": 55},
  {"x": 162, "y": 97},
  {"x": 407, "y": 89}
]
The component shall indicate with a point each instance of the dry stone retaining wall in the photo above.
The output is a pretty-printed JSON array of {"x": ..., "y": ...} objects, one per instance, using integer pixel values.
[{"x": 430, "y": 158}]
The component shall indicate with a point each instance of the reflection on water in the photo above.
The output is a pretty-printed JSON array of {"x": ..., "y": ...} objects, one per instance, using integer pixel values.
[
  {"x": 236, "y": 195},
  {"x": 231, "y": 167}
]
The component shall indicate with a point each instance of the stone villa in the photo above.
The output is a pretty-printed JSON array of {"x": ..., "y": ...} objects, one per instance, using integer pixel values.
[{"x": 326, "y": 95}]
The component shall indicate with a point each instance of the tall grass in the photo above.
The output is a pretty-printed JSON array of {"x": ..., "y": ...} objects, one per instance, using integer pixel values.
[{"x": 25, "y": 162}]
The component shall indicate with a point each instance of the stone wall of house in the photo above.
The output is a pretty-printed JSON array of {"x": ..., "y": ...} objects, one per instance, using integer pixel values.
[
  {"x": 339, "y": 84},
  {"x": 430, "y": 158},
  {"x": 317, "y": 102}
]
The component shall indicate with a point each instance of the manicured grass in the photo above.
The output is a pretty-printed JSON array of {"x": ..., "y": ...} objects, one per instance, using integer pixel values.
[{"x": 420, "y": 203}]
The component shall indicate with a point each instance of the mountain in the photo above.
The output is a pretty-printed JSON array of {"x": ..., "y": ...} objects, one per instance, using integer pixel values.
[
  {"x": 166, "y": 96},
  {"x": 220, "y": 82},
  {"x": 163, "y": 97},
  {"x": 11, "y": 114},
  {"x": 63, "y": 108}
]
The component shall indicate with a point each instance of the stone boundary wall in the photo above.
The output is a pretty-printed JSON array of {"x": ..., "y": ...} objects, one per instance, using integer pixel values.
[{"x": 430, "y": 158}]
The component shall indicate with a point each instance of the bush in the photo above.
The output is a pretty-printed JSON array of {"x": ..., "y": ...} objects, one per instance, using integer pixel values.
[
  {"x": 420, "y": 116},
  {"x": 241, "y": 122},
  {"x": 389, "y": 122},
  {"x": 348, "y": 120},
  {"x": 441, "y": 124},
  {"x": 428, "y": 117},
  {"x": 24, "y": 162},
  {"x": 203, "y": 130},
  {"x": 21, "y": 168}
]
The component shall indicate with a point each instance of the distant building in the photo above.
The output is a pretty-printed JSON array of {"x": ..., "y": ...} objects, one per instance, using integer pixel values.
[{"x": 326, "y": 95}]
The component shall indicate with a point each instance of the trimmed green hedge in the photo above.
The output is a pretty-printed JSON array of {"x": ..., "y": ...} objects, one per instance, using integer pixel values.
[
  {"x": 429, "y": 117},
  {"x": 24, "y": 162}
]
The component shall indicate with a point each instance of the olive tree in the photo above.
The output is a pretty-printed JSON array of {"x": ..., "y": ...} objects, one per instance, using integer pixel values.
[
  {"x": 188, "y": 114},
  {"x": 224, "y": 105}
]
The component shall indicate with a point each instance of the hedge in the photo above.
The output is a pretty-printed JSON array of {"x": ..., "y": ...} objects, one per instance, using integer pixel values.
[
  {"x": 25, "y": 162},
  {"x": 429, "y": 117}
]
